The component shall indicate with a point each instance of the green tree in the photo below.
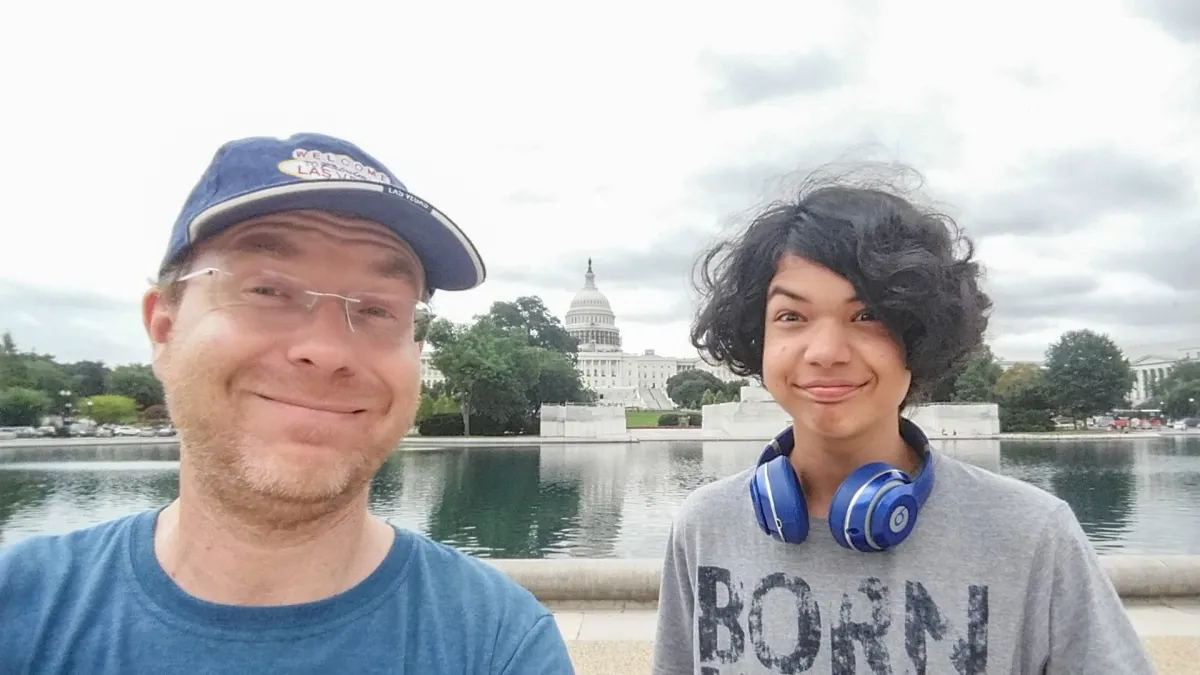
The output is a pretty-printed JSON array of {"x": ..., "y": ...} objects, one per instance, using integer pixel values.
[
  {"x": 436, "y": 405},
  {"x": 733, "y": 389},
  {"x": 558, "y": 381},
  {"x": 424, "y": 408},
  {"x": 528, "y": 317},
  {"x": 13, "y": 367},
  {"x": 500, "y": 367},
  {"x": 943, "y": 391},
  {"x": 87, "y": 378},
  {"x": 714, "y": 396},
  {"x": 435, "y": 390},
  {"x": 113, "y": 409},
  {"x": 488, "y": 370},
  {"x": 1179, "y": 391},
  {"x": 1024, "y": 398},
  {"x": 46, "y": 375},
  {"x": 1183, "y": 400},
  {"x": 138, "y": 382},
  {"x": 976, "y": 382},
  {"x": 1024, "y": 385},
  {"x": 445, "y": 404},
  {"x": 23, "y": 407},
  {"x": 1087, "y": 374},
  {"x": 687, "y": 388}
]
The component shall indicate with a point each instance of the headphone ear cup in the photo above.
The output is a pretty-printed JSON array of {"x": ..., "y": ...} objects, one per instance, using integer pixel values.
[
  {"x": 758, "y": 498},
  {"x": 852, "y": 510},
  {"x": 895, "y": 515},
  {"x": 781, "y": 509}
]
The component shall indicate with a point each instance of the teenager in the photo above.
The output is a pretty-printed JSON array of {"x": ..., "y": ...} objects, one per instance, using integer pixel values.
[{"x": 853, "y": 546}]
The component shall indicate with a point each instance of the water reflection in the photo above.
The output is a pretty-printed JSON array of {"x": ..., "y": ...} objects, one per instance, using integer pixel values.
[
  {"x": 1096, "y": 479},
  {"x": 617, "y": 500}
]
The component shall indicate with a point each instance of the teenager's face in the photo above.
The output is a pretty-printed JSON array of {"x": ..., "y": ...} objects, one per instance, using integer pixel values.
[{"x": 830, "y": 363}]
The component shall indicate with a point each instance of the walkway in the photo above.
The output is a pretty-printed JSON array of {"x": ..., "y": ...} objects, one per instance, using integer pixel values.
[{"x": 619, "y": 642}]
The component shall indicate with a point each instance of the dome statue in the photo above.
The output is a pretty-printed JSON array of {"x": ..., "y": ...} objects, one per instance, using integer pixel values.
[{"x": 590, "y": 319}]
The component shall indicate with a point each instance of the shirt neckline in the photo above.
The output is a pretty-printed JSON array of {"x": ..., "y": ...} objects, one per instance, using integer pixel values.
[{"x": 175, "y": 605}]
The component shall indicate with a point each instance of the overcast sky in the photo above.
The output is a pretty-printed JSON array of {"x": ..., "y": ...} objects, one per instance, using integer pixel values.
[{"x": 1063, "y": 136}]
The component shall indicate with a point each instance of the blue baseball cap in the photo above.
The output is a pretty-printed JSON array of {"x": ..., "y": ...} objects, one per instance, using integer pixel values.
[{"x": 251, "y": 177}]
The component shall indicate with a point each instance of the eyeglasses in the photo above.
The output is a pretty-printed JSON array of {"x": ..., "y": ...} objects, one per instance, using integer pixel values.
[{"x": 276, "y": 300}]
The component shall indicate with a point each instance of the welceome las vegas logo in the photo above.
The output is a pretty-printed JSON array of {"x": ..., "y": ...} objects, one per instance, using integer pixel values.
[{"x": 317, "y": 165}]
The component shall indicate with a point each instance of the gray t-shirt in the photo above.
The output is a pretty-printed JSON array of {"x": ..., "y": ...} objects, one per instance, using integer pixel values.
[{"x": 996, "y": 577}]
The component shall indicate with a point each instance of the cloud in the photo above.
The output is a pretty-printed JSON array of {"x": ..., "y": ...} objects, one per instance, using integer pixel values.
[
  {"x": 1070, "y": 191},
  {"x": 1171, "y": 259},
  {"x": 526, "y": 196},
  {"x": 1037, "y": 308},
  {"x": 1074, "y": 160},
  {"x": 73, "y": 325},
  {"x": 1179, "y": 18},
  {"x": 741, "y": 80},
  {"x": 661, "y": 262}
]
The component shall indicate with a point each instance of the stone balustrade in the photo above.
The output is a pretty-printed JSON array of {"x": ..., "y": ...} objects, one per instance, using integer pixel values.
[{"x": 635, "y": 581}]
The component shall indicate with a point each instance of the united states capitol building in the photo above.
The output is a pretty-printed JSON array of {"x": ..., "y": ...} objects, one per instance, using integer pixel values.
[{"x": 617, "y": 377}]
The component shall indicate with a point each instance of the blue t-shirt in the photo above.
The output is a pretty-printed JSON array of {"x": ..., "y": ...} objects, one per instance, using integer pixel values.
[{"x": 97, "y": 602}]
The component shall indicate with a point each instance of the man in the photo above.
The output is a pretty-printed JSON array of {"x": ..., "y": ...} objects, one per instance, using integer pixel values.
[
  {"x": 287, "y": 328},
  {"x": 840, "y": 552}
]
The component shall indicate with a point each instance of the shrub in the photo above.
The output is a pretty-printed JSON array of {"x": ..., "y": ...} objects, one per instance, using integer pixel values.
[
  {"x": 451, "y": 424},
  {"x": 21, "y": 407},
  {"x": 156, "y": 413},
  {"x": 1021, "y": 419},
  {"x": 441, "y": 424},
  {"x": 668, "y": 419}
]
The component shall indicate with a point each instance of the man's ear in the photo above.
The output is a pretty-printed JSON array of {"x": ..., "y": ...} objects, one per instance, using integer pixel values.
[{"x": 158, "y": 318}]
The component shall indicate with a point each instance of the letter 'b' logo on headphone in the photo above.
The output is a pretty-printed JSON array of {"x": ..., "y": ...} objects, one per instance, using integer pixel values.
[{"x": 899, "y": 519}]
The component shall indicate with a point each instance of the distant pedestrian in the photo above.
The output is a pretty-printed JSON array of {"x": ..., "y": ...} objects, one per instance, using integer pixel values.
[{"x": 287, "y": 327}]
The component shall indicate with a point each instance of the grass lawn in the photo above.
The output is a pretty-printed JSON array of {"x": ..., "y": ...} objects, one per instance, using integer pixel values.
[{"x": 643, "y": 418}]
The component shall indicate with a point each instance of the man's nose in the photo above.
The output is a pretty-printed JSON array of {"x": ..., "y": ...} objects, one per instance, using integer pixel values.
[{"x": 326, "y": 341}]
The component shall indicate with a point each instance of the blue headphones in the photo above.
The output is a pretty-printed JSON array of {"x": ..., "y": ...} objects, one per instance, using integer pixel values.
[{"x": 874, "y": 509}]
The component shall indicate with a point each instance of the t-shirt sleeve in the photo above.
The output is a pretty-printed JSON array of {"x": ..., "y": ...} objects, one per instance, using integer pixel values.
[
  {"x": 542, "y": 651},
  {"x": 1089, "y": 629},
  {"x": 673, "y": 644}
]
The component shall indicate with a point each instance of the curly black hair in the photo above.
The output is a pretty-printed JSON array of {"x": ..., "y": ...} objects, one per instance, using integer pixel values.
[{"x": 910, "y": 265}]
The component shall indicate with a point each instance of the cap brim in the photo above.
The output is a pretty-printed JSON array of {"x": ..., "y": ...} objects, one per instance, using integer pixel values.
[{"x": 451, "y": 261}]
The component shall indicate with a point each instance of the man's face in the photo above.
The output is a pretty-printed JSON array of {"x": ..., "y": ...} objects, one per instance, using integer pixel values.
[
  {"x": 280, "y": 404},
  {"x": 827, "y": 360}
]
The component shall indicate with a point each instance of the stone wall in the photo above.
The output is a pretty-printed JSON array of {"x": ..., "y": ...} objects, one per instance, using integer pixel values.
[
  {"x": 757, "y": 415},
  {"x": 636, "y": 580},
  {"x": 744, "y": 419},
  {"x": 957, "y": 419},
  {"x": 582, "y": 421}
]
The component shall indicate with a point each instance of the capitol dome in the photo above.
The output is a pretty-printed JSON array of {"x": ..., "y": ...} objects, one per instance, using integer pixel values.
[{"x": 590, "y": 319}]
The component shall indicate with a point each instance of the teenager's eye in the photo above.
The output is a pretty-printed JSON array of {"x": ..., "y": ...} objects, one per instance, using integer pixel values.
[
  {"x": 787, "y": 316},
  {"x": 866, "y": 315}
]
